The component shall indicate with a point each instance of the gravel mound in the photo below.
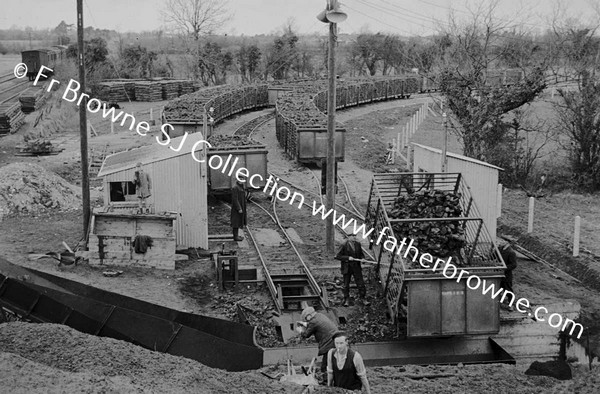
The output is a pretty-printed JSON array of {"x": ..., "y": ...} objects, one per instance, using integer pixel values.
[
  {"x": 27, "y": 188},
  {"x": 103, "y": 364}
]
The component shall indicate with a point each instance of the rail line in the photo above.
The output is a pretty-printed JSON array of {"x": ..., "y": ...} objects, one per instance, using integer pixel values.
[
  {"x": 4, "y": 91},
  {"x": 7, "y": 77},
  {"x": 250, "y": 127},
  {"x": 356, "y": 213},
  {"x": 292, "y": 286}
]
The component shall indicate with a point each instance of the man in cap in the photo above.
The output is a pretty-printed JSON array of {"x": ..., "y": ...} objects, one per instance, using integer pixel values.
[
  {"x": 319, "y": 325},
  {"x": 350, "y": 254}
]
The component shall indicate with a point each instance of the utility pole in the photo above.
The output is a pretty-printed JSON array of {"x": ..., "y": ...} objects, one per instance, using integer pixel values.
[
  {"x": 331, "y": 15},
  {"x": 445, "y": 148},
  {"x": 329, "y": 227},
  {"x": 85, "y": 179}
]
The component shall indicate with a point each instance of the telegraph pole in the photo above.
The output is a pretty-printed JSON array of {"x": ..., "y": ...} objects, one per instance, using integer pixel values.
[
  {"x": 85, "y": 179},
  {"x": 329, "y": 228}
]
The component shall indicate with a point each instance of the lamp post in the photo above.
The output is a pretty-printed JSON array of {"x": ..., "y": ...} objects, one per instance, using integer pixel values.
[
  {"x": 444, "y": 149},
  {"x": 331, "y": 15}
]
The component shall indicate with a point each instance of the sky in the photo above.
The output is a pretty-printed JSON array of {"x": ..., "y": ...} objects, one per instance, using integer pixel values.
[{"x": 253, "y": 17}]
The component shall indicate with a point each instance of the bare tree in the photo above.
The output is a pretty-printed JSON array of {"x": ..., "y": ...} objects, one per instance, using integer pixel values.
[
  {"x": 193, "y": 19},
  {"x": 480, "y": 106},
  {"x": 578, "y": 109}
]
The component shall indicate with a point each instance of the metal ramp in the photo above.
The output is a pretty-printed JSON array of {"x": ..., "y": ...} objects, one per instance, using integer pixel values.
[{"x": 44, "y": 298}]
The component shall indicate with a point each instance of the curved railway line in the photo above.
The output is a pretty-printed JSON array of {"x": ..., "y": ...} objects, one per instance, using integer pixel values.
[{"x": 289, "y": 280}]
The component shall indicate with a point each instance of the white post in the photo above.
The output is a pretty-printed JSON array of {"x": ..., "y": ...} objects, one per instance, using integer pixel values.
[
  {"x": 151, "y": 118},
  {"x": 576, "y": 236},
  {"x": 530, "y": 220},
  {"x": 499, "y": 200},
  {"x": 112, "y": 127},
  {"x": 400, "y": 143}
]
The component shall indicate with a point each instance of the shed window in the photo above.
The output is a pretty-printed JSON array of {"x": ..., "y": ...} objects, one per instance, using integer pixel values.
[{"x": 122, "y": 191}]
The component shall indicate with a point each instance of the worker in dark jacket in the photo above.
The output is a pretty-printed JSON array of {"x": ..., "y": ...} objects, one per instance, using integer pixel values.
[
  {"x": 345, "y": 367},
  {"x": 510, "y": 259},
  {"x": 350, "y": 255},
  {"x": 238, "y": 207},
  {"x": 319, "y": 325}
]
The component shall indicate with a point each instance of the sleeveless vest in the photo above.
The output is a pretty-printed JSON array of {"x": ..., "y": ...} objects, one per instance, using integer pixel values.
[{"x": 346, "y": 377}]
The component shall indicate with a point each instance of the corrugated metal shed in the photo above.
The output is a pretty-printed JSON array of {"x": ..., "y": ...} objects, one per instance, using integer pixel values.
[
  {"x": 481, "y": 177},
  {"x": 178, "y": 183}
]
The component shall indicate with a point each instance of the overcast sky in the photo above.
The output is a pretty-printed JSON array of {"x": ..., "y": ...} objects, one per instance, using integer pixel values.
[{"x": 251, "y": 17}]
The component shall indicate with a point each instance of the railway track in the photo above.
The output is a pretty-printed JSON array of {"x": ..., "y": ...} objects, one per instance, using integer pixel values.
[
  {"x": 250, "y": 127},
  {"x": 289, "y": 280},
  {"x": 7, "y": 77}
]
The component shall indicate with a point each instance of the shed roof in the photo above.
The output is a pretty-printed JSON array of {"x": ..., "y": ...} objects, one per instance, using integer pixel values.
[
  {"x": 459, "y": 157},
  {"x": 150, "y": 154}
]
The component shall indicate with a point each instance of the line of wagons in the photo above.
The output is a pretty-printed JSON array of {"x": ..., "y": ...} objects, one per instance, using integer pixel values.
[{"x": 34, "y": 59}]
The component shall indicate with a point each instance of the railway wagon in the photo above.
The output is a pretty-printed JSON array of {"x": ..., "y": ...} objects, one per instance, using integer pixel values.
[
  {"x": 187, "y": 113},
  {"x": 425, "y": 300},
  {"x": 240, "y": 152},
  {"x": 36, "y": 58},
  {"x": 307, "y": 143}
]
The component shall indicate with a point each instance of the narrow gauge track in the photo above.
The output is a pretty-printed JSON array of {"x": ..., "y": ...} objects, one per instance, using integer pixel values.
[
  {"x": 289, "y": 279},
  {"x": 7, "y": 77},
  {"x": 358, "y": 217},
  {"x": 290, "y": 282},
  {"x": 250, "y": 127},
  {"x": 6, "y": 91}
]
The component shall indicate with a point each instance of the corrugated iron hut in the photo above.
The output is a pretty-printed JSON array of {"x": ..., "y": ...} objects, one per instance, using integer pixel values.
[
  {"x": 481, "y": 177},
  {"x": 178, "y": 185}
]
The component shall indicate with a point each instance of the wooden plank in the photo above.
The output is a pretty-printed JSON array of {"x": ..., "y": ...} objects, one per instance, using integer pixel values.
[
  {"x": 113, "y": 226},
  {"x": 155, "y": 228}
]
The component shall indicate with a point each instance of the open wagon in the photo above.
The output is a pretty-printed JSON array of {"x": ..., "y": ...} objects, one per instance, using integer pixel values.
[{"x": 437, "y": 212}]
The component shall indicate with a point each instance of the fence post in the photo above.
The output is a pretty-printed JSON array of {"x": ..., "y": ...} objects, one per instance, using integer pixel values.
[
  {"x": 530, "y": 220},
  {"x": 576, "y": 236},
  {"x": 400, "y": 143},
  {"x": 499, "y": 200},
  {"x": 112, "y": 127}
]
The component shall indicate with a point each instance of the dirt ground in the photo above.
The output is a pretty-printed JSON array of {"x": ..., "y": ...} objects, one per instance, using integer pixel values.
[{"x": 36, "y": 359}]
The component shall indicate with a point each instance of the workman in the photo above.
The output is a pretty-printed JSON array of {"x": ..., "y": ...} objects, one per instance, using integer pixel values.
[
  {"x": 238, "y": 207},
  {"x": 510, "y": 259},
  {"x": 345, "y": 367},
  {"x": 143, "y": 187},
  {"x": 350, "y": 254},
  {"x": 319, "y": 325}
]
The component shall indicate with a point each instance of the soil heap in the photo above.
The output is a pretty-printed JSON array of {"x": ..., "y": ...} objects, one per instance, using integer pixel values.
[{"x": 27, "y": 188}]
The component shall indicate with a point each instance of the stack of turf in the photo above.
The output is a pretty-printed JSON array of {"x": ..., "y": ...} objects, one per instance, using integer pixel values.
[
  {"x": 130, "y": 89},
  {"x": 170, "y": 89},
  {"x": 112, "y": 92},
  {"x": 438, "y": 238},
  {"x": 11, "y": 117},
  {"x": 32, "y": 99},
  {"x": 187, "y": 87},
  {"x": 148, "y": 91}
]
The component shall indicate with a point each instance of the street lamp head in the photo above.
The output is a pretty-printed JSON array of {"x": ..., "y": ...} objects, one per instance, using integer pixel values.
[
  {"x": 322, "y": 16},
  {"x": 336, "y": 15}
]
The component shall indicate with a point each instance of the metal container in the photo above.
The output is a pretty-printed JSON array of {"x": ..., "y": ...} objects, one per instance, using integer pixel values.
[
  {"x": 434, "y": 305},
  {"x": 312, "y": 145},
  {"x": 251, "y": 157}
]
